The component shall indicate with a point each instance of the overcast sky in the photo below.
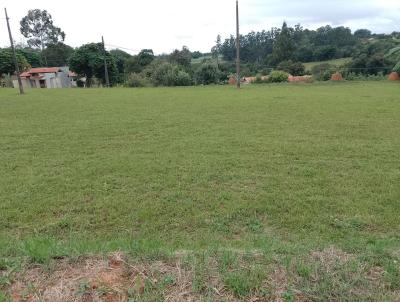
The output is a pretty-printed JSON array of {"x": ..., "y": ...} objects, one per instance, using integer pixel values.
[{"x": 164, "y": 25}]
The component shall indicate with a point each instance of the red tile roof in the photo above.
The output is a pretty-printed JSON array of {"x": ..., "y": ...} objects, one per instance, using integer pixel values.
[
  {"x": 45, "y": 70},
  {"x": 29, "y": 73},
  {"x": 25, "y": 74}
]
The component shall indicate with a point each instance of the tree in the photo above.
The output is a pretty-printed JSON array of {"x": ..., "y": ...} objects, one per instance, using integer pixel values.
[
  {"x": 32, "y": 56},
  {"x": 284, "y": 46},
  {"x": 88, "y": 61},
  {"x": 7, "y": 65},
  {"x": 362, "y": 34},
  {"x": 163, "y": 73},
  {"x": 293, "y": 68},
  {"x": 145, "y": 57},
  {"x": 120, "y": 57},
  {"x": 373, "y": 57},
  {"x": 196, "y": 54},
  {"x": 38, "y": 27},
  {"x": 208, "y": 73},
  {"x": 370, "y": 64},
  {"x": 228, "y": 49},
  {"x": 57, "y": 54},
  {"x": 324, "y": 53},
  {"x": 395, "y": 52},
  {"x": 181, "y": 57},
  {"x": 216, "y": 50},
  {"x": 137, "y": 64}
]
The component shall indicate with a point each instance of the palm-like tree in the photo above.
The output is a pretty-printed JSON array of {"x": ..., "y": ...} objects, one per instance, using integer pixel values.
[{"x": 395, "y": 52}]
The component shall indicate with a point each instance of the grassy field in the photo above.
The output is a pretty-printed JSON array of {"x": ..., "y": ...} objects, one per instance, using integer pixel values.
[
  {"x": 274, "y": 191},
  {"x": 335, "y": 62}
]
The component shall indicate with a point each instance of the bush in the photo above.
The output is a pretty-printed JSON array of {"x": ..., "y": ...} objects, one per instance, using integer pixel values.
[
  {"x": 182, "y": 78},
  {"x": 278, "y": 76},
  {"x": 6, "y": 81},
  {"x": 167, "y": 74},
  {"x": 136, "y": 80},
  {"x": 209, "y": 73},
  {"x": 323, "y": 72},
  {"x": 293, "y": 68},
  {"x": 352, "y": 76},
  {"x": 370, "y": 64},
  {"x": 261, "y": 79}
]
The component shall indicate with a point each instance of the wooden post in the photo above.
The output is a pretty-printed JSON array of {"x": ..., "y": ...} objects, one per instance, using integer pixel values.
[
  {"x": 237, "y": 46},
  {"x": 21, "y": 89},
  {"x": 105, "y": 64}
]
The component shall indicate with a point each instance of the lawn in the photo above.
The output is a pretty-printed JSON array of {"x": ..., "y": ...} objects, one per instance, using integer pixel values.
[{"x": 293, "y": 191}]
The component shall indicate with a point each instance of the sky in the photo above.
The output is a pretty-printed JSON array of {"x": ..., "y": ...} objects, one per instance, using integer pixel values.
[{"x": 164, "y": 25}]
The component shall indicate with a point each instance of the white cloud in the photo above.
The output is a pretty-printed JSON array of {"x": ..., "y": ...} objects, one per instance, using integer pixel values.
[{"x": 165, "y": 25}]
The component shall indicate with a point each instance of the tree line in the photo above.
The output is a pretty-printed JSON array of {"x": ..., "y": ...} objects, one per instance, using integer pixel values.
[
  {"x": 296, "y": 44},
  {"x": 285, "y": 49}
]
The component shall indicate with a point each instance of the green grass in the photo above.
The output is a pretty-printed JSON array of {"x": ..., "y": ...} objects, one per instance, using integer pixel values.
[
  {"x": 279, "y": 169},
  {"x": 334, "y": 62}
]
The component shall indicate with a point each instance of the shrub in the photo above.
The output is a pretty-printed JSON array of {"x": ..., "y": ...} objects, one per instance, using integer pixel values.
[
  {"x": 370, "y": 64},
  {"x": 261, "y": 79},
  {"x": 182, "y": 78},
  {"x": 293, "y": 68},
  {"x": 323, "y": 72},
  {"x": 6, "y": 81},
  {"x": 167, "y": 74},
  {"x": 278, "y": 76},
  {"x": 352, "y": 76},
  {"x": 208, "y": 73},
  {"x": 135, "y": 80},
  {"x": 162, "y": 74}
]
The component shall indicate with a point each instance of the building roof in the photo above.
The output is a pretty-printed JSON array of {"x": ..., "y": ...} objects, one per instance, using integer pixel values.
[
  {"x": 31, "y": 71},
  {"x": 45, "y": 70}
]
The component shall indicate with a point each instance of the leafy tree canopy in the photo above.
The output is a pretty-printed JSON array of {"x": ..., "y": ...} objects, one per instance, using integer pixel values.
[
  {"x": 362, "y": 33},
  {"x": 138, "y": 63},
  {"x": 121, "y": 58},
  {"x": 293, "y": 68},
  {"x": 88, "y": 61},
  {"x": 33, "y": 56},
  {"x": 57, "y": 54},
  {"x": 284, "y": 46},
  {"x": 181, "y": 57},
  {"x": 395, "y": 53},
  {"x": 7, "y": 65},
  {"x": 38, "y": 27}
]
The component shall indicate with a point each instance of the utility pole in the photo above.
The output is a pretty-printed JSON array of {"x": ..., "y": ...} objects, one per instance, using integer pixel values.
[
  {"x": 237, "y": 46},
  {"x": 21, "y": 89},
  {"x": 105, "y": 64}
]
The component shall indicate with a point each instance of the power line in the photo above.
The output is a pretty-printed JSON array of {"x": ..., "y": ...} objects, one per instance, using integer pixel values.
[{"x": 120, "y": 47}]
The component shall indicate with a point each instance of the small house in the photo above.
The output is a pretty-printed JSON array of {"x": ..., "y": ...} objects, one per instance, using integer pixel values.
[{"x": 46, "y": 77}]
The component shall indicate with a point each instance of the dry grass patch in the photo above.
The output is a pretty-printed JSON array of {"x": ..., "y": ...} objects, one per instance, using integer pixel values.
[
  {"x": 325, "y": 275},
  {"x": 115, "y": 279}
]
